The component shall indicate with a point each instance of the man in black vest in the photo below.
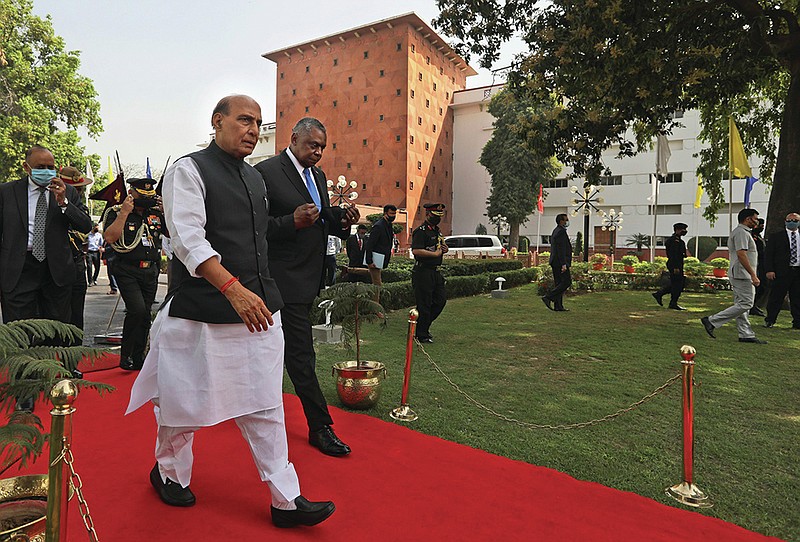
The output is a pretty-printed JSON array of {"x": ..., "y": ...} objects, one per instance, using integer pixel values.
[
  {"x": 216, "y": 347},
  {"x": 676, "y": 253},
  {"x": 301, "y": 218}
]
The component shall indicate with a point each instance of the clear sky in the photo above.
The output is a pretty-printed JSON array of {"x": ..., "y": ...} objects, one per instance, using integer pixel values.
[{"x": 159, "y": 66}]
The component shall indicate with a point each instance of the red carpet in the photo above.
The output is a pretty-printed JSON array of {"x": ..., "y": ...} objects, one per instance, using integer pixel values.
[
  {"x": 398, "y": 485},
  {"x": 106, "y": 361}
]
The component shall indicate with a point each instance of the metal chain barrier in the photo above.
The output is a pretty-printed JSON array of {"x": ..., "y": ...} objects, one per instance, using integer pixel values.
[
  {"x": 77, "y": 486},
  {"x": 529, "y": 425}
]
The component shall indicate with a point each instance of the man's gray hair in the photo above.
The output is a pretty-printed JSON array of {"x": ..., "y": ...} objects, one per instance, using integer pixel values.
[{"x": 305, "y": 125}]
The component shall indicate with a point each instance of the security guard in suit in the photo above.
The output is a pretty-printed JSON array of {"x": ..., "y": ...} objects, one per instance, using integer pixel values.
[
  {"x": 428, "y": 247},
  {"x": 134, "y": 230}
]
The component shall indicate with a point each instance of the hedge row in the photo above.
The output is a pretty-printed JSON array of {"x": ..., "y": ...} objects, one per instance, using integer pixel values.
[{"x": 400, "y": 268}]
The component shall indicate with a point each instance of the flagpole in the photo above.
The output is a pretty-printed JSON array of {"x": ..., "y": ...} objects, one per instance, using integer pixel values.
[
  {"x": 655, "y": 221},
  {"x": 538, "y": 232}
]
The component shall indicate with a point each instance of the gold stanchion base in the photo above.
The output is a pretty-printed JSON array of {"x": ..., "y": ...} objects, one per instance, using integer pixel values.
[
  {"x": 690, "y": 495},
  {"x": 403, "y": 413}
]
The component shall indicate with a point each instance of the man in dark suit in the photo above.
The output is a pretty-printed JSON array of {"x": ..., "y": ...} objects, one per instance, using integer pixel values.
[
  {"x": 301, "y": 218},
  {"x": 36, "y": 264},
  {"x": 560, "y": 262},
  {"x": 380, "y": 243},
  {"x": 676, "y": 253},
  {"x": 356, "y": 271},
  {"x": 782, "y": 263}
]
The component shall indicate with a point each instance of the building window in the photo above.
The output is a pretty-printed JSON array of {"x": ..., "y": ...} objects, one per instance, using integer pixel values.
[
  {"x": 426, "y": 188},
  {"x": 427, "y": 60},
  {"x": 294, "y": 92},
  {"x": 611, "y": 180},
  {"x": 434, "y": 86},
  {"x": 440, "y": 110},
  {"x": 335, "y": 61},
  {"x": 397, "y": 184},
  {"x": 380, "y": 163},
  {"x": 364, "y": 142},
  {"x": 413, "y": 49},
  {"x": 306, "y": 109},
  {"x": 722, "y": 242},
  {"x": 334, "y": 146},
  {"x": 308, "y": 68},
  {"x": 434, "y": 169},
  {"x": 427, "y": 146},
  {"x": 665, "y": 209},
  {"x": 364, "y": 186},
  {"x": 398, "y": 92},
  {"x": 349, "y": 122},
  {"x": 365, "y": 97},
  {"x": 280, "y": 114},
  {"x": 397, "y": 138},
  {"x": 419, "y": 121},
  {"x": 349, "y": 165},
  {"x": 434, "y": 128},
  {"x": 427, "y": 103},
  {"x": 555, "y": 183},
  {"x": 440, "y": 191},
  {"x": 349, "y": 80},
  {"x": 453, "y": 80},
  {"x": 446, "y": 173},
  {"x": 440, "y": 152},
  {"x": 674, "y": 178},
  {"x": 441, "y": 71},
  {"x": 410, "y": 141},
  {"x": 320, "y": 86},
  {"x": 380, "y": 118},
  {"x": 281, "y": 75},
  {"x": 381, "y": 73},
  {"x": 447, "y": 135},
  {"x": 411, "y": 187},
  {"x": 334, "y": 103},
  {"x": 677, "y": 114},
  {"x": 419, "y": 165},
  {"x": 412, "y": 93},
  {"x": 366, "y": 54},
  {"x": 399, "y": 46},
  {"x": 447, "y": 95},
  {"x": 420, "y": 76}
]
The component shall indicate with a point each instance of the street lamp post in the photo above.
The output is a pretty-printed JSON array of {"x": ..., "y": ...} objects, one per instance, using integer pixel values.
[
  {"x": 612, "y": 221},
  {"x": 337, "y": 192},
  {"x": 585, "y": 203}
]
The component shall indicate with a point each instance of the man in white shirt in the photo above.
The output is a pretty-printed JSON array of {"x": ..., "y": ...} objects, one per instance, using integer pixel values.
[
  {"x": 216, "y": 345},
  {"x": 334, "y": 248},
  {"x": 95, "y": 245},
  {"x": 782, "y": 262}
]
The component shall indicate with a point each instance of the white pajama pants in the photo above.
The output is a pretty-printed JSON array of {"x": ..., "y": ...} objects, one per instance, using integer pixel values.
[{"x": 264, "y": 432}]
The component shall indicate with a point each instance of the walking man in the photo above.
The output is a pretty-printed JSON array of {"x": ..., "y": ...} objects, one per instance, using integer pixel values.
[
  {"x": 560, "y": 262},
  {"x": 782, "y": 262},
  {"x": 428, "y": 248},
  {"x": 676, "y": 252},
  {"x": 380, "y": 243},
  {"x": 743, "y": 278}
]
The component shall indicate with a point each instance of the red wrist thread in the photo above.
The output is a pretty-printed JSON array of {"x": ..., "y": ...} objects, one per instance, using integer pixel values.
[{"x": 228, "y": 284}]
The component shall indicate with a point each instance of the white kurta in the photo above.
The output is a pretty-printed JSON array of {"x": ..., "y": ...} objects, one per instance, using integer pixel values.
[{"x": 202, "y": 374}]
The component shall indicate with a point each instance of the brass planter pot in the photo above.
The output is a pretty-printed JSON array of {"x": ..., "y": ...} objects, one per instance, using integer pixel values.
[
  {"x": 23, "y": 508},
  {"x": 359, "y": 385}
]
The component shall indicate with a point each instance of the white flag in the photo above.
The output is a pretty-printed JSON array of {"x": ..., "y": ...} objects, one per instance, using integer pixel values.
[
  {"x": 89, "y": 175},
  {"x": 653, "y": 189},
  {"x": 662, "y": 155}
]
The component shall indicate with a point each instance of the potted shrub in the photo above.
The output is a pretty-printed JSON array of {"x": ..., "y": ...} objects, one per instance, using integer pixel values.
[
  {"x": 629, "y": 261},
  {"x": 720, "y": 266},
  {"x": 358, "y": 382},
  {"x": 598, "y": 261},
  {"x": 28, "y": 368}
]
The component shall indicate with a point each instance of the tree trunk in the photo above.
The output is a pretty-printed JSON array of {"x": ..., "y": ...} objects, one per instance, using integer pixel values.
[
  {"x": 513, "y": 235},
  {"x": 785, "y": 195}
]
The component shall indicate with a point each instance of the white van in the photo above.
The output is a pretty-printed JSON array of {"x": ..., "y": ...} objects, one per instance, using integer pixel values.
[{"x": 475, "y": 245}]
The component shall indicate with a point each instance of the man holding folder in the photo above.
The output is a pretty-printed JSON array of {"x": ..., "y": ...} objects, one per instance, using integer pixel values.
[{"x": 379, "y": 244}]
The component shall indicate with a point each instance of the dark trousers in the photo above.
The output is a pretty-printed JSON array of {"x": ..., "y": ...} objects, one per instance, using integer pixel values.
[
  {"x": 330, "y": 269},
  {"x": 36, "y": 295},
  {"x": 92, "y": 266},
  {"x": 782, "y": 285},
  {"x": 138, "y": 288},
  {"x": 431, "y": 297},
  {"x": 112, "y": 282},
  {"x": 675, "y": 286},
  {"x": 301, "y": 362},
  {"x": 78, "y": 295},
  {"x": 562, "y": 280}
]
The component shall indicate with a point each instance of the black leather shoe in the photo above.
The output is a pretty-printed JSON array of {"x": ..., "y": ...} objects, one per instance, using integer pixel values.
[
  {"x": 129, "y": 365},
  {"x": 171, "y": 492},
  {"x": 328, "y": 443},
  {"x": 708, "y": 326},
  {"x": 426, "y": 340},
  {"x": 307, "y": 513},
  {"x": 676, "y": 307},
  {"x": 755, "y": 311},
  {"x": 769, "y": 324},
  {"x": 658, "y": 299},
  {"x": 547, "y": 302},
  {"x": 561, "y": 309},
  {"x": 77, "y": 374},
  {"x": 25, "y": 405},
  {"x": 751, "y": 340}
]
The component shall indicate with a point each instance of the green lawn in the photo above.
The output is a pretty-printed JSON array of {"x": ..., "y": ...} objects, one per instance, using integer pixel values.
[{"x": 609, "y": 351}]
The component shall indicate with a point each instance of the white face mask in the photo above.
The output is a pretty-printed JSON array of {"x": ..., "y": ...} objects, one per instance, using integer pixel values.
[{"x": 566, "y": 224}]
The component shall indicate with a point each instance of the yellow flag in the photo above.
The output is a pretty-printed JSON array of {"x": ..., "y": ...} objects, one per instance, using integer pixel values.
[
  {"x": 737, "y": 160},
  {"x": 699, "y": 194},
  {"x": 110, "y": 172}
]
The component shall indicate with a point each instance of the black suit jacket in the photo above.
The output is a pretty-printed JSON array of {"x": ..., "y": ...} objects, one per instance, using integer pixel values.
[
  {"x": 296, "y": 256},
  {"x": 380, "y": 240},
  {"x": 560, "y": 248},
  {"x": 777, "y": 253},
  {"x": 14, "y": 233},
  {"x": 355, "y": 254}
]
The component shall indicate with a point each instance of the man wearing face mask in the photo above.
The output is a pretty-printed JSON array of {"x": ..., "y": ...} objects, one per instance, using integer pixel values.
[
  {"x": 36, "y": 265},
  {"x": 134, "y": 230},
  {"x": 782, "y": 263},
  {"x": 762, "y": 290},
  {"x": 379, "y": 245},
  {"x": 676, "y": 252},
  {"x": 560, "y": 262},
  {"x": 428, "y": 247}
]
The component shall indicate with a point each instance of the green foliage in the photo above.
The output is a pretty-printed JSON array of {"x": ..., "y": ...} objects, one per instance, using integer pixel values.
[
  {"x": 720, "y": 263},
  {"x": 616, "y": 66},
  {"x": 577, "y": 248},
  {"x": 630, "y": 260},
  {"x": 29, "y": 368},
  {"x": 598, "y": 258},
  {"x": 512, "y": 159},
  {"x": 480, "y": 229},
  {"x": 696, "y": 269},
  {"x": 702, "y": 247},
  {"x": 638, "y": 240},
  {"x": 43, "y": 99}
]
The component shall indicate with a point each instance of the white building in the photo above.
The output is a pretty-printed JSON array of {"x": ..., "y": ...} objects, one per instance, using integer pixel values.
[{"x": 626, "y": 190}]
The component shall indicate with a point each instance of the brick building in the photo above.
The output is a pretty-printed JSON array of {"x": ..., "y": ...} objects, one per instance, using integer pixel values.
[{"x": 383, "y": 92}]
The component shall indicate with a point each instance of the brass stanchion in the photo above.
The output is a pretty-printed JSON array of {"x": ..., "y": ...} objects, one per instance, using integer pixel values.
[
  {"x": 687, "y": 492},
  {"x": 62, "y": 396},
  {"x": 404, "y": 413}
]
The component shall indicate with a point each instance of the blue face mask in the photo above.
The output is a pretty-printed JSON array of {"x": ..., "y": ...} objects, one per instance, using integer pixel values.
[
  {"x": 792, "y": 225},
  {"x": 42, "y": 177}
]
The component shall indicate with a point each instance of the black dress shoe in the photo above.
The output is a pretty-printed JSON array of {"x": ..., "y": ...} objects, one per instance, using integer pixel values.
[
  {"x": 307, "y": 513},
  {"x": 129, "y": 365},
  {"x": 676, "y": 307},
  {"x": 171, "y": 492},
  {"x": 77, "y": 374},
  {"x": 708, "y": 326},
  {"x": 327, "y": 442},
  {"x": 755, "y": 311},
  {"x": 658, "y": 299},
  {"x": 547, "y": 302},
  {"x": 751, "y": 340},
  {"x": 426, "y": 340},
  {"x": 769, "y": 324},
  {"x": 25, "y": 405},
  {"x": 561, "y": 309}
]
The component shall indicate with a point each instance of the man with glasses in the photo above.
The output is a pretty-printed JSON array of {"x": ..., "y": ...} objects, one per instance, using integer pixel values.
[{"x": 782, "y": 262}]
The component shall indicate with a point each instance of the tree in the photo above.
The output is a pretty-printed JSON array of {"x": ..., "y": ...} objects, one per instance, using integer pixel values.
[
  {"x": 480, "y": 229},
  {"x": 638, "y": 240},
  {"x": 512, "y": 158},
  {"x": 43, "y": 99},
  {"x": 629, "y": 65}
]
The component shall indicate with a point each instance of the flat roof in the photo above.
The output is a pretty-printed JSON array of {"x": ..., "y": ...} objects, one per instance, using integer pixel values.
[{"x": 411, "y": 18}]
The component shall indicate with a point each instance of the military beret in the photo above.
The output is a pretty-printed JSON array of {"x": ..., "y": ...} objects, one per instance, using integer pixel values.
[
  {"x": 144, "y": 186},
  {"x": 73, "y": 177}
]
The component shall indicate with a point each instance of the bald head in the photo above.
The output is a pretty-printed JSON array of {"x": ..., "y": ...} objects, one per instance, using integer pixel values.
[{"x": 236, "y": 120}]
